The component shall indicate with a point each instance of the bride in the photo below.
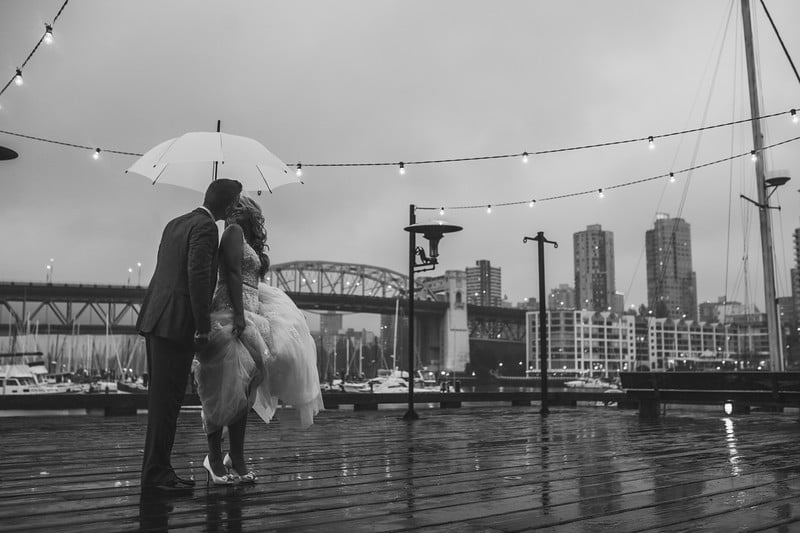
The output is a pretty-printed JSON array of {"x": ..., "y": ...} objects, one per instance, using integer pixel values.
[{"x": 260, "y": 349}]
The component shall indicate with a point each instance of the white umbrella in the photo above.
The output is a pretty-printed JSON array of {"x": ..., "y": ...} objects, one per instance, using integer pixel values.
[{"x": 188, "y": 161}]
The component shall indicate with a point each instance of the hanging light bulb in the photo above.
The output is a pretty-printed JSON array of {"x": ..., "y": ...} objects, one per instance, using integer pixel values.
[
  {"x": 600, "y": 193},
  {"x": 48, "y": 34},
  {"x": 530, "y": 204},
  {"x": 18, "y": 78},
  {"x": 793, "y": 113},
  {"x": 524, "y": 157},
  {"x": 402, "y": 169},
  {"x": 488, "y": 209},
  {"x": 299, "y": 171},
  {"x": 650, "y": 142},
  {"x": 753, "y": 156},
  {"x": 671, "y": 177},
  {"x": 96, "y": 154},
  {"x": 441, "y": 212}
]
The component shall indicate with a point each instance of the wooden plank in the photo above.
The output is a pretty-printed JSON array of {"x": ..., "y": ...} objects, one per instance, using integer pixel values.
[{"x": 478, "y": 468}]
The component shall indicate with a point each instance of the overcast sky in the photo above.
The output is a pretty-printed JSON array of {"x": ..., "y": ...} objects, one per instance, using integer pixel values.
[{"x": 367, "y": 81}]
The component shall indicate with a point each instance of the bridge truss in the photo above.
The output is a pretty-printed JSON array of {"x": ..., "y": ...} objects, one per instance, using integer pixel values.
[
  {"x": 343, "y": 279},
  {"x": 321, "y": 285}
]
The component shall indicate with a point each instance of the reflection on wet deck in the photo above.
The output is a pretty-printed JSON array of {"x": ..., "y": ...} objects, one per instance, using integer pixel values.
[{"x": 470, "y": 469}]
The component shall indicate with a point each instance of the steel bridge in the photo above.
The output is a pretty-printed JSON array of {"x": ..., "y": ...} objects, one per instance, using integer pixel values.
[{"x": 313, "y": 285}]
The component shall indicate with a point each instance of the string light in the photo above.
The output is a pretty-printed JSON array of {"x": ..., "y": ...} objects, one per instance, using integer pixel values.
[
  {"x": 524, "y": 157},
  {"x": 402, "y": 169},
  {"x": 96, "y": 154},
  {"x": 488, "y": 209},
  {"x": 671, "y": 177},
  {"x": 600, "y": 193},
  {"x": 793, "y": 113},
  {"x": 530, "y": 204},
  {"x": 299, "y": 171},
  {"x": 441, "y": 212},
  {"x": 650, "y": 142},
  {"x": 47, "y": 38},
  {"x": 753, "y": 156}
]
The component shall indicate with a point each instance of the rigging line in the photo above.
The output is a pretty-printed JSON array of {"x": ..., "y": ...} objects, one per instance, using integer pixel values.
[
  {"x": 687, "y": 184},
  {"x": 780, "y": 40},
  {"x": 781, "y": 265},
  {"x": 730, "y": 174},
  {"x": 721, "y": 33}
]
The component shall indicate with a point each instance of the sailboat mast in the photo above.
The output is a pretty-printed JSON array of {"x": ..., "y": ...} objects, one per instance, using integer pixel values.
[
  {"x": 394, "y": 351},
  {"x": 765, "y": 223}
]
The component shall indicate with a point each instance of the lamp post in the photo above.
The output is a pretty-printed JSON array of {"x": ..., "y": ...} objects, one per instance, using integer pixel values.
[
  {"x": 130, "y": 271},
  {"x": 540, "y": 239},
  {"x": 766, "y": 188},
  {"x": 433, "y": 231},
  {"x": 139, "y": 276}
]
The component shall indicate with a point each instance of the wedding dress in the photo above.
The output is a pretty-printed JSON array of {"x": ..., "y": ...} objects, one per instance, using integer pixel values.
[{"x": 274, "y": 359}]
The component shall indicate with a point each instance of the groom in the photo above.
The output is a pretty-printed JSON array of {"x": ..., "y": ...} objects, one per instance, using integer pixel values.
[{"x": 175, "y": 321}]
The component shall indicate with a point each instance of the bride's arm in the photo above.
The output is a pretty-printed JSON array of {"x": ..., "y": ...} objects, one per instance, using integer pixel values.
[{"x": 231, "y": 252}]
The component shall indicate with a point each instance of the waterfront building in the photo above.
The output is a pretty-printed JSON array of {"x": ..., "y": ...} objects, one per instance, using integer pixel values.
[
  {"x": 594, "y": 269},
  {"x": 562, "y": 297},
  {"x": 618, "y": 303},
  {"x": 604, "y": 343},
  {"x": 671, "y": 282},
  {"x": 725, "y": 311},
  {"x": 484, "y": 284},
  {"x": 330, "y": 324}
]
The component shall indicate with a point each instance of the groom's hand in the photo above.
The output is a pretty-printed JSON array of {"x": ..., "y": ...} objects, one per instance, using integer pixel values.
[
  {"x": 200, "y": 339},
  {"x": 238, "y": 325}
]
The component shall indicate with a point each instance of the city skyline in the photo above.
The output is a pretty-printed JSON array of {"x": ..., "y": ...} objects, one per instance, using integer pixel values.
[{"x": 345, "y": 83}]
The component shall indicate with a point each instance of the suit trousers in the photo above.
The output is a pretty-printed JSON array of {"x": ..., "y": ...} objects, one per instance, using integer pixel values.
[{"x": 169, "y": 363}]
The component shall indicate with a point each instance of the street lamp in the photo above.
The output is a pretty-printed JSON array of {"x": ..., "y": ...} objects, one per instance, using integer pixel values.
[
  {"x": 139, "y": 276},
  {"x": 766, "y": 188},
  {"x": 433, "y": 231},
  {"x": 130, "y": 271}
]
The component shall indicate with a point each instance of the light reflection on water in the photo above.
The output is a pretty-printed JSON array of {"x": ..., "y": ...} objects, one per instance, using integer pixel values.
[{"x": 733, "y": 453}]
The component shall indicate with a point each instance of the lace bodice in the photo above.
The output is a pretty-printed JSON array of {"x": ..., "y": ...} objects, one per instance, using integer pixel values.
[{"x": 251, "y": 266}]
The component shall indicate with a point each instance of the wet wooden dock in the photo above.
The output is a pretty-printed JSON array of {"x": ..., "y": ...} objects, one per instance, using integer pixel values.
[{"x": 477, "y": 468}]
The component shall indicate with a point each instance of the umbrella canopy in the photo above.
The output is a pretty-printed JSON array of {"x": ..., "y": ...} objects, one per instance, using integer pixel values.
[{"x": 188, "y": 161}]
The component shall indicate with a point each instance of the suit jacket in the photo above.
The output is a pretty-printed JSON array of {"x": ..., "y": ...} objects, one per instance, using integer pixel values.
[{"x": 178, "y": 300}]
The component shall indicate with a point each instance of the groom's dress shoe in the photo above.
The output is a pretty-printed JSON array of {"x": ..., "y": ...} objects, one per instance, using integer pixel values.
[
  {"x": 181, "y": 482},
  {"x": 172, "y": 486}
]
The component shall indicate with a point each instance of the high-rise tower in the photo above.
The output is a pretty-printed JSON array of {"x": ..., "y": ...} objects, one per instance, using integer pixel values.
[
  {"x": 483, "y": 284},
  {"x": 671, "y": 283},
  {"x": 594, "y": 269}
]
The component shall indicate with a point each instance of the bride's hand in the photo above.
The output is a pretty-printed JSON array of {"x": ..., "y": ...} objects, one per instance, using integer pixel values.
[{"x": 238, "y": 325}]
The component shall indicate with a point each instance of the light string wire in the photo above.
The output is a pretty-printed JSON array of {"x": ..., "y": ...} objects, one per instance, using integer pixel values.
[
  {"x": 649, "y": 138},
  {"x": 48, "y": 28},
  {"x": 792, "y": 112},
  {"x": 610, "y": 187}
]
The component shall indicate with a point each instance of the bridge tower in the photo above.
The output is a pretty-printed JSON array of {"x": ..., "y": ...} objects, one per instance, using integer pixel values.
[{"x": 455, "y": 333}]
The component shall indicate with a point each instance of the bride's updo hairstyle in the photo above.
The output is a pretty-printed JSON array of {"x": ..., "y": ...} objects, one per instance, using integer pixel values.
[{"x": 247, "y": 215}]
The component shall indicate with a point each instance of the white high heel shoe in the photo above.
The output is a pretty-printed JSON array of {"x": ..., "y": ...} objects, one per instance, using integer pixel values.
[
  {"x": 249, "y": 477},
  {"x": 211, "y": 477}
]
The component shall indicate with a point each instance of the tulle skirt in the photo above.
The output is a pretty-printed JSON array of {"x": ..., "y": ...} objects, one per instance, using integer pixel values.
[{"x": 274, "y": 360}]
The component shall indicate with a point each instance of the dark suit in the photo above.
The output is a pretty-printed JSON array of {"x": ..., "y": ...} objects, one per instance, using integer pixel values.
[{"x": 177, "y": 303}]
